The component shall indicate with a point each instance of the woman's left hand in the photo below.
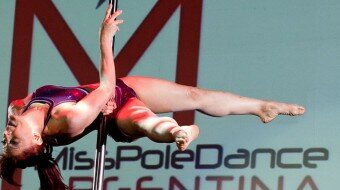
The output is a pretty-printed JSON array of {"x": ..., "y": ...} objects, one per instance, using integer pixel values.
[
  {"x": 110, "y": 24},
  {"x": 16, "y": 107}
]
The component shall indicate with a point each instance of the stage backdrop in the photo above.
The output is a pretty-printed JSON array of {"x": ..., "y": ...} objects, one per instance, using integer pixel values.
[{"x": 280, "y": 50}]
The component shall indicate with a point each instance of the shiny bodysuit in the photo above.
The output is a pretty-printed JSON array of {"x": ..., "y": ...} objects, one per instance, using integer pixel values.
[{"x": 55, "y": 95}]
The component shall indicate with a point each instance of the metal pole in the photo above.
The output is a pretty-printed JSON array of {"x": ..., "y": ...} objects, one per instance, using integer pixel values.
[
  {"x": 100, "y": 155},
  {"x": 101, "y": 138}
]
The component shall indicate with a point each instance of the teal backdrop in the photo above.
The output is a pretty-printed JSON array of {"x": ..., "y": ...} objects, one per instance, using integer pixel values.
[{"x": 269, "y": 49}]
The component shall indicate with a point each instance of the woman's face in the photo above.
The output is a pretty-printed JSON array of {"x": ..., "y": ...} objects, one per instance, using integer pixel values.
[{"x": 18, "y": 134}]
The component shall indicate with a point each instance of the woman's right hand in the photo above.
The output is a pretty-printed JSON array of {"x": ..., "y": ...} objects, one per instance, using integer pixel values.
[
  {"x": 109, "y": 107},
  {"x": 110, "y": 24}
]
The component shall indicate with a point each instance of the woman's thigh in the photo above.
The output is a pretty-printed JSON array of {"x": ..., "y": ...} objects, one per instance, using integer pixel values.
[
  {"x": 165, "y": 96},
  {"x": 131, "y": 115}
]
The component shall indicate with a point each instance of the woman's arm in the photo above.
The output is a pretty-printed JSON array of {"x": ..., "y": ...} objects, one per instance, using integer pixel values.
[
  {"x": 86, "y": 111},
  {"x": 107, "y": 68}
]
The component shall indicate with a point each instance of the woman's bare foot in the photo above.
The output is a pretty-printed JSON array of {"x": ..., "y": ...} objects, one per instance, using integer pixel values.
[
  {"x": 185, "y": 135},
  {"x": 269, "y": 110}
]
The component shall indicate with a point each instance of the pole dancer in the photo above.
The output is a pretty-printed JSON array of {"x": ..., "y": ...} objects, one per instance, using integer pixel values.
[{"x": 57, "y": 116}]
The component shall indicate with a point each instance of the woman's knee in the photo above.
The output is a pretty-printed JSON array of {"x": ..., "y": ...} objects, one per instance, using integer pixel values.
[{"x": 196, "y": 96}]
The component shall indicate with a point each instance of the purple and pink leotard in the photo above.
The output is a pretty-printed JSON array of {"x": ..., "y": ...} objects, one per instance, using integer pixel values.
[{"x": 55, "y": 95}]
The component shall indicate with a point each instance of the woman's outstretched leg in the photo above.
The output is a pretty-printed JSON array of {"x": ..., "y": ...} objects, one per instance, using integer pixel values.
[
  {"x": 136, "y": 120},
  {"x": 164, "y": 96}
]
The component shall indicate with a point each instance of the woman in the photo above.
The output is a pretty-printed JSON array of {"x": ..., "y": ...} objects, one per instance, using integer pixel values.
[{"x": 54, "y": 116}]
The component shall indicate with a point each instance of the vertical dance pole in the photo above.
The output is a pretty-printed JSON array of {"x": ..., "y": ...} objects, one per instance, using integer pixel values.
[{"x": 101, "y": 137}]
